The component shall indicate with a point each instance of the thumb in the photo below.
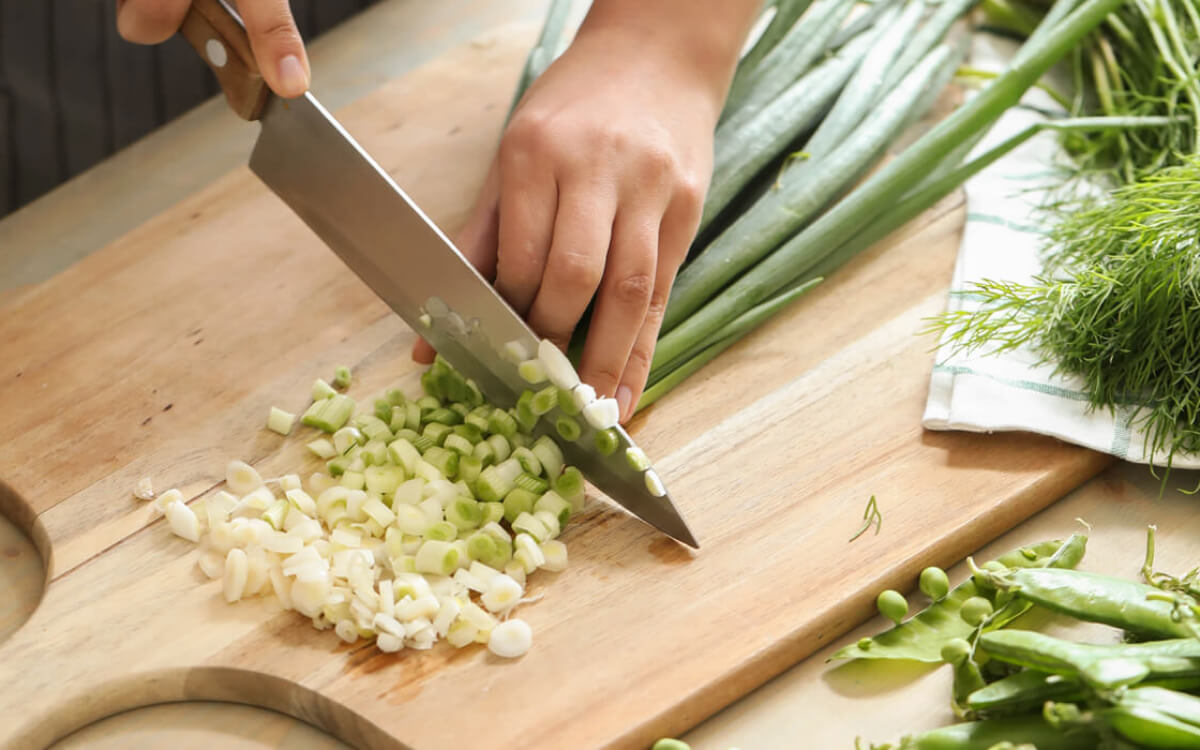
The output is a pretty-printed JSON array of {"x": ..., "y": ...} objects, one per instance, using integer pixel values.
[{"x": 277, "y": 45}]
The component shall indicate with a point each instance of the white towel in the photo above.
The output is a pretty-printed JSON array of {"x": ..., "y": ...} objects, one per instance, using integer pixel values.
[{"x": 1008, "y": 391}]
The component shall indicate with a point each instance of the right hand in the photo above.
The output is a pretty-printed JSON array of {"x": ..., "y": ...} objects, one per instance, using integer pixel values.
[{"x": 274, "y": 38}]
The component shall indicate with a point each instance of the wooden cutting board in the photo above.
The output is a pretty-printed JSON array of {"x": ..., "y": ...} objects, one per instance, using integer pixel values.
[{"x": 160, "y": 355}]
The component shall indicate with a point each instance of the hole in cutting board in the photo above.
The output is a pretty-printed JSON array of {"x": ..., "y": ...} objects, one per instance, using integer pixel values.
[
  {"x": 23, "y": 550},
  {"x": 199, "y": 724}
]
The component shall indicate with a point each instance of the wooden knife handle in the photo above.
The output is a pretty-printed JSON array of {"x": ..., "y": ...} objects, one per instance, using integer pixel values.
[{"x": 216, "y": 33}]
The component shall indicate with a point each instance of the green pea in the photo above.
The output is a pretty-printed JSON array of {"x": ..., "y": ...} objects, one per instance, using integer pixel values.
[
  {"x": 934, "y": 583},
  {"x": 667, "y": 743},
  {"x": 892, "y": 605},
  {"x": 975, "y": 610},
  {"x": 865, "y": 643},
  {"x": 955, "y": 651}
]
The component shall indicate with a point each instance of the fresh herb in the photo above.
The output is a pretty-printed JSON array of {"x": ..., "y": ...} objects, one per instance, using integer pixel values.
[
  {"x": 870, "y": 516},
  {"x": 1118, "y": 306}
]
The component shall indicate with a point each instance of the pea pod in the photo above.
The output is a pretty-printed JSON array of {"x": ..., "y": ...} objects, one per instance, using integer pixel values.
[
  {"x": 1025, "y": 691},
  {"x": 986, "y": 734},
  {"x": 1099, "y": 666},
  {"x": 921, "y": 637},
  {"x": 1149, "y": 727},
  {"x": 1131, "y": 606}
]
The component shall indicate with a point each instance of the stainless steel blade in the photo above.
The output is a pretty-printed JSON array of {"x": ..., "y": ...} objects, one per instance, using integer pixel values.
[{"x": 305, "y": 156}]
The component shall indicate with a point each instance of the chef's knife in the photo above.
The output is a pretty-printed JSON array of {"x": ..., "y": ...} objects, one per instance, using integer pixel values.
[{"x": 351, "y": 203}]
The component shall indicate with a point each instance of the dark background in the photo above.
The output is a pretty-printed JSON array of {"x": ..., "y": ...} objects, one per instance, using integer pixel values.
[{"x": 72, "y": 91}]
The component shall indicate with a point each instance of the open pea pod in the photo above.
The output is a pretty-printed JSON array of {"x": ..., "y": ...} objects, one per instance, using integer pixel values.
[
  {"x": 921, "y": 637},
  {"x": 1092, "y": 597}
]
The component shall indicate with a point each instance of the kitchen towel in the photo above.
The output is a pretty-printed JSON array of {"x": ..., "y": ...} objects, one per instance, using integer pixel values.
[{"x": 980, "y": 391}]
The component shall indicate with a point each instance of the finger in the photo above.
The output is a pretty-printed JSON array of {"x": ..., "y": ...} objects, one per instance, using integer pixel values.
[
  {"x": 150, "y": 21},
  {"x": 477, "y": 241},
  {"x": 623, "y": 298},
  {"x": 277, "y": 45},
  {"x": 528, "y": 201},
  {"x": 677, "y": 232},
  {"x": 583, "y": 229}
]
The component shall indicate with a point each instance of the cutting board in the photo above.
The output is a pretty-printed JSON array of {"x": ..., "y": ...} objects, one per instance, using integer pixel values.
[{"x": 160, "y": 355}]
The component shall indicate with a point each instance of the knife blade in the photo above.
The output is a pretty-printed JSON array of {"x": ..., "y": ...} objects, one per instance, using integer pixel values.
[{"x": 317, "y": 168}]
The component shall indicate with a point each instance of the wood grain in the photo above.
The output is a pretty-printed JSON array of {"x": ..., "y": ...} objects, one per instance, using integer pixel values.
[{"x": 170, "y": 344}]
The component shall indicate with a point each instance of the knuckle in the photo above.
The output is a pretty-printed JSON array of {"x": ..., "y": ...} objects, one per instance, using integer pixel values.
[
  {"x": 279, "y": 31},
  {"x": 604, "y": 376},
  {"x": 634, "y": 288},
  {"x": 640, "y": 358},
  {"x": 689, "y": 191},
  {"x": 576, "y": 271}
]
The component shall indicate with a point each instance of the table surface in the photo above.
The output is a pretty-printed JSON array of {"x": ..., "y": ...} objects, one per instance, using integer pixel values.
[{"x": 877, "y": 702}]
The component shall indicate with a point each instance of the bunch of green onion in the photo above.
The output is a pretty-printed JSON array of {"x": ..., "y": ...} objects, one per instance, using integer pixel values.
[{"x": 815, "y": 104}]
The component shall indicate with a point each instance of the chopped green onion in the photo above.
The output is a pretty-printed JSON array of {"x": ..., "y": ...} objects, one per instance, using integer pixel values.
[
  {"x": 525, "y": 415},
  {"x": 329, "y": 414},
  {"x": 636, "y": 457},
  {"x": 481, "y": 546},
  {"x": 569, "y": 485},
  {"x": 322, "y": 448},
  {"x": 555, "y": 505},
  {"x": 437, "y": 432},
  {"x": 602, "y": 414},
  {"x": 555, "y": 553},
  {"x": 544, "y": 400},
  {"x": 529, "y": 462},
  {"x": 518, "y": 501},
  {"x": 444, "y": 531},
  {"x": 352, "y": 479},
  {"x": 532, "y": 372},
  {"x": 341, "y": 377},
  {"x": 376, "y": 429},
  {"x": 477, "y": 423},
  {"x": 501, "y": 423},
  {"x": 548, "y": 452},
  {"x": 559, "y": 369},
  {"x": 412, "y": 415},
  {"x": 444, "y": 416},
  {"x": 484, "y": 453},
  {"x": 280, "y": 421},
  {"x": 531, "y": 483},
  {"x": 491, "y": 513},
  {"x": 445, "y": 461},
  {"x": 395, "y": 397},
  {"x": 464, "y": 513},
  {"x": 607, "y": 442},
  {"x": 470, "y": 431},
  {"x": 567, "y": 428},
  {"x": 337, "y": 467},
  {"x": 469, "y": 469},
  {"x": 275, "y": 514},
  {"x": 322, "y": 390},
  {"x": 566, "y": 402},
  {"x": 654, "y": 484},
  {"x": 346, "y": 438},
  {"x": 525, "y": 523},
  {"x": 459, "y": 445},
  {"x": 500, "y": 447},
  {"x": 437, "y": 557}
]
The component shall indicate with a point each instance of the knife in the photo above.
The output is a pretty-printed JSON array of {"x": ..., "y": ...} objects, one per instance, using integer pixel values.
[{"x": 309, "y": 160}]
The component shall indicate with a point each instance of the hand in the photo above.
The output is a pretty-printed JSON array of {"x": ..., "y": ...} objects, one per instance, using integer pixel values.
[
  {"x": 276, "y": 42},
  {"x": 597, "y": 191}
]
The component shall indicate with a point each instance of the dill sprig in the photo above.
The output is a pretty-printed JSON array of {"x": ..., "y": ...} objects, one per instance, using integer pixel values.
[{"x": 1118, "y": 305}]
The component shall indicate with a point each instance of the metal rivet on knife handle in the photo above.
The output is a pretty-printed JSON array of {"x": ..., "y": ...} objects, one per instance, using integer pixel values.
[{"x": 216, "y": 33}]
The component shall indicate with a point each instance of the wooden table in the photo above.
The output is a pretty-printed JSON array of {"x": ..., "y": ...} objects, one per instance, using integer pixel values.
[{"x": 850, "y": 700}]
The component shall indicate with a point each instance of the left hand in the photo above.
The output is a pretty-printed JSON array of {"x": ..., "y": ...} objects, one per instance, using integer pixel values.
[{"x": 597, "y": 191}]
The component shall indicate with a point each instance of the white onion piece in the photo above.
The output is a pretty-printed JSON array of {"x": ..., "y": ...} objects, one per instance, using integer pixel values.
[
  {"x": 164, "y": 501},
  {"x": 183, "y": 521},
  {"x": 502, "y": 595},
  {"x": 237, "y": 568},
  {"x": 555, "y": 553},
  {"x": 511, "y": 638},
  {"x": 242, "y": 478},
  {"x": 654, "y": 483},
  {"x": 602, "y": 413},
  {"x": 346, "y": 630},
  {"x": 516, "y": 352},
  {"x": 582, "y": 395},
  {"x": 558, "y": 368},
  {"x": 388, "y": 643},
  {"x": 144, "y": 489}
]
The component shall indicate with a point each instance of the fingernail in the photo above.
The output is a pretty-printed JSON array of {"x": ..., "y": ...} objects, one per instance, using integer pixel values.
[
  {"x": 624, "y": 397},
  {"x": 293, "y": 81}
]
